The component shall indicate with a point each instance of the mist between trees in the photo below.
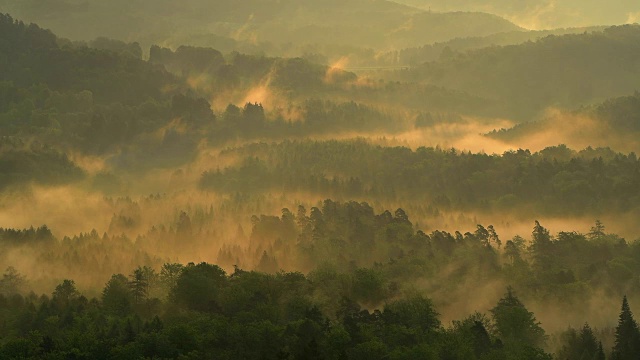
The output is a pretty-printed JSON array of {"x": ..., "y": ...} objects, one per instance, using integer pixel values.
[{"x": 353, "y": 259}]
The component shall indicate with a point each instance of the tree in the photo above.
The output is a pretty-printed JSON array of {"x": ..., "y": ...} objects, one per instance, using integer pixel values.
[
  {"x": 12, "y": 281},
  {"x": 512, "y": 253},
  {"x": 184, "y": 230},
  {"x": 414, "y": 311},
  {"x": 514, "y": 324},
  {"x": 169, "y": 274},
  {"x": 267, "y": 263},
  {"x": 139, "y": 285},
  {"x": 588, "y": 342},
  {"x": 541, "y": 248},
  {"x": 475, "y": 328},
  {"x": 117, "y": 296},
  {"x": 513, "y": 250},
  {"x": 65, "y": 292},
  {"x": 369, "y": 286},
  {"x": 596, "y": 231},
  {"x": 580, "y": 345},
  {"x": 482, "y": 235},
  {"x": 627, "y": 345},
  {"x": 493, "y": 236},
  {"x": 198, "y": 287},
  {"x": 401, "y": 216}
]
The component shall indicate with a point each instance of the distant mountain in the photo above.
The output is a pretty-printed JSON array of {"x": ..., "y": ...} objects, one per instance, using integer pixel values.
[
  {"x": 433, "y": 52},
  {"x": 543, "y": 14},
  {"x": 566, "y": 71},
  {"x": 430, "y": 27},
  {"x": 267, "y": 24}
]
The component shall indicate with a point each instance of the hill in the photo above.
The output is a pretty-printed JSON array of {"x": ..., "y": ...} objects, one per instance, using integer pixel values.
[
  {"x": 566, "y": 71},
  {"x": 268, "y": 24},
  {"x": 614, "y": 121},
  {"x": 433, "y": 52},
  {"x": 537, "y": 14}
]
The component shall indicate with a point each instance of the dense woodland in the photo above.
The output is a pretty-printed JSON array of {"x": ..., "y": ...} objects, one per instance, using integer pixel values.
[
  {"x": 171, "y": 309},
  {"x": 555, "y": 180},
  {"x": 161, "y": 198},
  {"x": 549, "y": 71}
]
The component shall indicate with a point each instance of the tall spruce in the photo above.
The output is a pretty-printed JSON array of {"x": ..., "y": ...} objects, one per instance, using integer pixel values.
[{"x": 627, "y": 344}]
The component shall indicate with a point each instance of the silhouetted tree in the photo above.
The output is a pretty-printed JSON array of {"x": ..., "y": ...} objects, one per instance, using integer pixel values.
[
  {"x": 627, "y": 345},
  {"x": 514, "y": 324},
  {"x": 116, "y": 295}
]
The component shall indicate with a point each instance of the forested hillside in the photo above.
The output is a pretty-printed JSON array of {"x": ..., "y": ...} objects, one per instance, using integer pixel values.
[
  {"x": 267, "y": 25},
  {"x": 556, "y": 180},
  {"x": 188, "y": 309},
  {"x": 536, "y": 14},
  {"x": 614, "y": 120},
  {"x": 432, "y": 52},
  {"x": 566, "y": 71}
]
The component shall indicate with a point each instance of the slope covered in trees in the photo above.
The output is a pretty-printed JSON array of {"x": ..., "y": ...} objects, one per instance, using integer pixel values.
[
  {"x": 269, "y": 24},
  {"x": 443, "y": 50},
  {"x": 169, "y": 309},
  {"x": 568, "y": 70},
  {"x": 555, "y": 180},
  {"x": 535, "y": 14},
  {"x": 207, "y": 308},
  {"x": 614, "y": 120}
]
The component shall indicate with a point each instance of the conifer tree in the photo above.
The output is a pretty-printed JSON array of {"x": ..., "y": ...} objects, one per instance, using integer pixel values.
[{"x": 627, "y": 335}]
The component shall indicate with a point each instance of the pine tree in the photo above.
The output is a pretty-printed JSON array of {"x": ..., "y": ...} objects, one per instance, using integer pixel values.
[
  {"x": 627, "y": 335},
  {"x": 600, "y": 353},
  {"x": 588, "y": 342}
]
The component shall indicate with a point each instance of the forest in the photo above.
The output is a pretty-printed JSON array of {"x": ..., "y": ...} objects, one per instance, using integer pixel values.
[{"x": 294, "y": 179}]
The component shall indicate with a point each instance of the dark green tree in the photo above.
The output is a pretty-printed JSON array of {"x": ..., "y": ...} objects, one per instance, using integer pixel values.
[
  {"x": 116, "y": 295},
  {"x": 541, "y": 248},
  {"x": 12, "y": 281},
  {"x": 580, "y": 345},
  {"x": 139, "y": 285},
  {"x": 596, "y": 230},
  {"x": 198, "y": 287},
  {"x": 65, "y": 292},
  {"x": 627, "y": 345},
  {"x": 414, "y": 311},
  {"x": 169, "y": 274},
  {"x": 515, "y": 325}
]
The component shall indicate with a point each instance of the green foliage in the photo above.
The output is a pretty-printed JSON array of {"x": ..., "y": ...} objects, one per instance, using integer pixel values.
[
  {"x": 12, "y": 282},
  {"x": 581, "y": 345},
  {"x": 515, "y": 325},
  {"x": 198, "y": 287},
  {"x": 116, "y": 296},
  {"x": 65, "y": 292},
  {"x": 37, "y": 164},
  {"x": 544, "y": 80},
  {"x": 627, "y": 343},
  {"x": 414, "y": 312},
  {"x": 582, "y": 183}
]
